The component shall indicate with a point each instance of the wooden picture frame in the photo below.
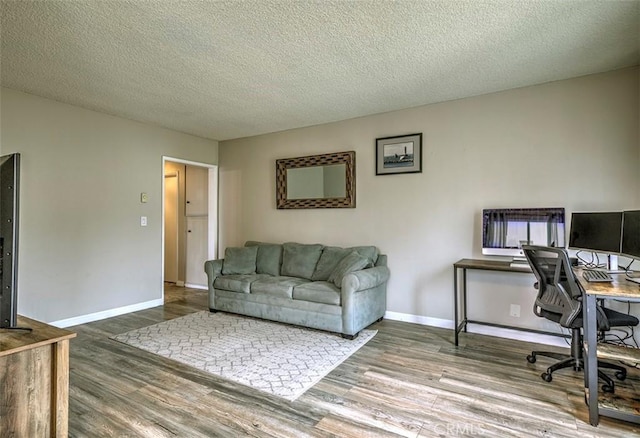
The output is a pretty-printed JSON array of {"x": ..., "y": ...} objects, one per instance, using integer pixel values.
[{"x": 400, "y": 154}]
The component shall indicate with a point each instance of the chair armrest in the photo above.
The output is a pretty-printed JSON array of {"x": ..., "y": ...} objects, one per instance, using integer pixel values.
[{"x": 365, "y": 279}]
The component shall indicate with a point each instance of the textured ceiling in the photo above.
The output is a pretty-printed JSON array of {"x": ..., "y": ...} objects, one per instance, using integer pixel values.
[{"x": 232, "y": 69}]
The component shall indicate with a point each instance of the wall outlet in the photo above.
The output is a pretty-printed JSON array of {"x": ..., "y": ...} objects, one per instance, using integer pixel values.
[
  {"x": 143, "y": 221},
  {"x": 514, "y": 310}
]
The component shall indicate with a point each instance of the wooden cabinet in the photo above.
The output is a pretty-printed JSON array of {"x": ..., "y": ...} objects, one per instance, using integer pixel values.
[
  {"x": 197, "y": 193},
  {"x": 34, "y": 380}
]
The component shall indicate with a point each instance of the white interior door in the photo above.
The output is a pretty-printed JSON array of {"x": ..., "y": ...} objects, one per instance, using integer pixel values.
[
  {"x": 197, "y": 182},
  {"x": 171, "y": 227},
  {"x": 197, "y": 251}
]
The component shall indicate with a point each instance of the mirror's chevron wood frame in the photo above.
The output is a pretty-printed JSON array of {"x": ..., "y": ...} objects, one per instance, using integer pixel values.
[{"x": 347, "y": 158}]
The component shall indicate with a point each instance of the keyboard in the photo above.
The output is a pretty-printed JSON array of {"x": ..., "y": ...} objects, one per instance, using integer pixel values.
[
  {"x": 596, "y": 276},
  {"x": 520, "y": 265}
]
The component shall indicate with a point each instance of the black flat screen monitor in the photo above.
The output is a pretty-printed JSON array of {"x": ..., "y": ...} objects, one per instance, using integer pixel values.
[
  {"x": 631, "y": 234},
  {"x": 9, "y": 197},
  {"x": 597, "y": 232}
]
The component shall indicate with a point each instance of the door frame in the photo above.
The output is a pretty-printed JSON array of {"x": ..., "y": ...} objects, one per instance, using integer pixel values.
[{"x": 212, "y": 227}]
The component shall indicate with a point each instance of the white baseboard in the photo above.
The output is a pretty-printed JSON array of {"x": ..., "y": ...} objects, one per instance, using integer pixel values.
[
  {"x": 196, "y": 286},
  {"x": 180, "y": 283},
  {"x": 479, "y": 329},
  {"x": 518, "y": 335},
  {"x": 83, "y": 319},
  {"x": 418, "y": 319}
]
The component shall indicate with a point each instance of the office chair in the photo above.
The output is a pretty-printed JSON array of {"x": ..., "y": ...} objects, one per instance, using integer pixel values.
[{"x": 560, "y": 300}]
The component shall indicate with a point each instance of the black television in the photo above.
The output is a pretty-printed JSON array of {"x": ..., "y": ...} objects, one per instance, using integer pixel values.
[
  {"x": 630, "y": 245},
  {"x": 9, "y": 207},
  {"x": 596, "y": 231}
]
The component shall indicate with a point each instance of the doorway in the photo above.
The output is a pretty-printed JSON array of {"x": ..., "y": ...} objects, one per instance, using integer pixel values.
[
  {"x": 171, "y": 200},
  {"x": 190, "y": 221}
]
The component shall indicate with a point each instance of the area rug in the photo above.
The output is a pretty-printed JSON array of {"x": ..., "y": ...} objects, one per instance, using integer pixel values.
[{"x": 279, "y": 359}]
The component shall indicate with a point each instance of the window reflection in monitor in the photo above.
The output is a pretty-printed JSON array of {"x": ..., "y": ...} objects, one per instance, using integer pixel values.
[
  {"x": 505, "y": 230},
  {"x": 598, "y": 232},
  {"x": 630, "y": 245}
]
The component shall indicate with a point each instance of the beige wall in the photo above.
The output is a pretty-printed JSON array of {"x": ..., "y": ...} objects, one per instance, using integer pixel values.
[
  {"x": 572, "y": 144},
  {"x": 82, "y": 249}
]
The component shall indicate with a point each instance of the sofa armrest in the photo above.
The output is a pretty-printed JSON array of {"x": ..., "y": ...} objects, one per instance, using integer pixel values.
[
  {"x": 363, "y": 298},
  {"x": 213, "y": 268},
  {"x": 365, "y": 279}
]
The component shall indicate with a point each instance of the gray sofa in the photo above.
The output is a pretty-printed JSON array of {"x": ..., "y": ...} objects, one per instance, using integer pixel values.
[{"x": 340, "y": 290}]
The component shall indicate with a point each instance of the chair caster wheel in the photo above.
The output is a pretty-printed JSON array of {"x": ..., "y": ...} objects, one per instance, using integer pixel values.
[
  {"x": 608, "y": 389},
  {"x": 546, "y": 377},
  {"x": 531, "y": 358},
  {"x": 621, "y": 375}
]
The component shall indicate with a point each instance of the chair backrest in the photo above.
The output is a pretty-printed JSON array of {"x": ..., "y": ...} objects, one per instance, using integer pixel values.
[{"x": 559, "y": 291}]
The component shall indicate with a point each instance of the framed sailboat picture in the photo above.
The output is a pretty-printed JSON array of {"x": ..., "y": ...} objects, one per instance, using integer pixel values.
[{"x": 399, "y": 154}]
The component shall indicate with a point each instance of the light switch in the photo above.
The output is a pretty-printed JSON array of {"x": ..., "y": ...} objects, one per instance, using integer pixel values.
[
  {"x": 144, "y": 198},
  {"x": 143, "y": 221}
]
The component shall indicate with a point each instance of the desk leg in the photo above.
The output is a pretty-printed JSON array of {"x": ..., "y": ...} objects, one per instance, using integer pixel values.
[
  {"x": 464, "y": 298},
  {"x": 591, "y": 358},
  {"x": 455, "y": 306}
]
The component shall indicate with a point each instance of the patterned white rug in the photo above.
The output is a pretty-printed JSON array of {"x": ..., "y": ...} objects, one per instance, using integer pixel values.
[{"x": 276, "y": 358}]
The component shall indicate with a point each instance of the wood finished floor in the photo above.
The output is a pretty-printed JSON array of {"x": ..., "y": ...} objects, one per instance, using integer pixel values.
[{"x": 408, "y": 381}]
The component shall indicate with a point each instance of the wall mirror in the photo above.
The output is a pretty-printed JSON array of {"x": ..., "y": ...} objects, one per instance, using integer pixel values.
[{"x": 317, "y": 181}]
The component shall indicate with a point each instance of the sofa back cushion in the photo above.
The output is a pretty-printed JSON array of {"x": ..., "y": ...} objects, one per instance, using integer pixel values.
[
  {"x": 300, "y": 260},
  {"x": 331, "y": 256},
  {"x": 240, "y": 260},
  {"x": 269, "y": 257},
  {"x": 370, "y": 252},
  {"x": 352, "y": 262},
  {"x": 382, "y": 260}
]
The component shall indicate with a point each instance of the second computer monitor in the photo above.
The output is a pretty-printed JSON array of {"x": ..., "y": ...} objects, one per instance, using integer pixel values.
[
  {"x": 631, "y": 234},
  {"x": 598, "y": 232}
]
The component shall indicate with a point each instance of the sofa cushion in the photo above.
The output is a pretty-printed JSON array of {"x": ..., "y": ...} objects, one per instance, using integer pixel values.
[
  {"x": 352, "y": 262},
  {"x": 236, "y": 283},
  {"x": 322, "y": 292},
  {"x": 269, "y": 259},
  {"x": 276, "y": 286},
  {"x": 240, "y": 260},
  {"x": 300, "y": 260},
  {"x": 331, "y": 256},
  {"x": 370, "y": 252}
]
